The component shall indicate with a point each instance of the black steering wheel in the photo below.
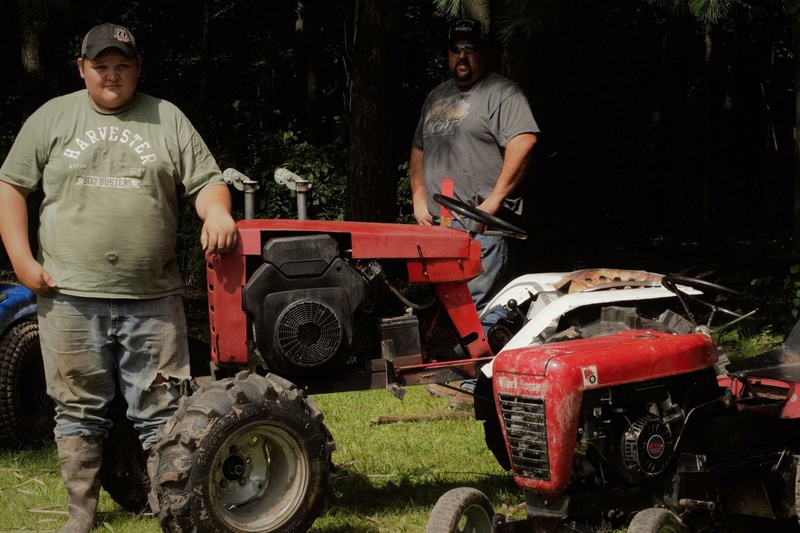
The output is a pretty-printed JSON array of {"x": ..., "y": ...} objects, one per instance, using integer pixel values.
[
  {"x": 473, "y": 213},
  {"x": 712, "y": 294}
]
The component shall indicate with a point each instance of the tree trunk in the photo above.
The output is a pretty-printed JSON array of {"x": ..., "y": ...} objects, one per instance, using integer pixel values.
[
  {"x": 371, "y": 172},
  {"x": 707, "y": 137},
  {"x": 306, "y": 27},
  {"x": 205, "y": 51},
  {"x": 796, "y": 168},
  {"x": 34, "y": 91}
]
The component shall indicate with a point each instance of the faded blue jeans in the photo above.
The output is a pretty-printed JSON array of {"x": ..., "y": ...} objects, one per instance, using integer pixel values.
[
  {"x": 87, "y": 343},
  {"x": 499, "y": 260}
]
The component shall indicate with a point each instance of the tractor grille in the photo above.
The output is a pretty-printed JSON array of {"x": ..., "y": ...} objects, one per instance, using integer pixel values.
[{"x": 526, "y": 429}]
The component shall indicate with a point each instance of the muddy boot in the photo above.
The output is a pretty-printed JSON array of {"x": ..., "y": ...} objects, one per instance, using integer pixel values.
[{"x": 80, "y": 463}]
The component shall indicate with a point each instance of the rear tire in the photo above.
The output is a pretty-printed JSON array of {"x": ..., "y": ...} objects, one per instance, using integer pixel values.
[
  {"x": 246, "y": 454},
  {"x": 26, "y": 411},
  {"x": 463, "y": 509},
  {"x": 124, "y": 471}
]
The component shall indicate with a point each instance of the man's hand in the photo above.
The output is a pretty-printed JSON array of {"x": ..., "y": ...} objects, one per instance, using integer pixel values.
[
  {"x": 422, "y": 215},
  {"x": 417, "y": 184},
  {"x": 32, "y": 276},
  {"x": 219, "y": 234},
  {"x": 491, "y": 205}
]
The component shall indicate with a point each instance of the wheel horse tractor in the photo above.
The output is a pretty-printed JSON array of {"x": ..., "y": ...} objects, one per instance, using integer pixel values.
[
  {"x": 644, "y": 429},
  {"x": 309, "y": 307},
  {"x": 333, "y": 306}
]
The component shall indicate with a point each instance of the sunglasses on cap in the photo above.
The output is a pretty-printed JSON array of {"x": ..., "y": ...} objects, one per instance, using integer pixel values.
[{"x": 470, "y": 49}]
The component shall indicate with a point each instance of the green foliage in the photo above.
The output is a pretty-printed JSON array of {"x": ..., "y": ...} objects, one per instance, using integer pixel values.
[
  {"x": 710, "y": 10},
  {"x": 320, "y": 165},
  {"x": 404, "y": 200},
  {"x": 791, "y": 285},
  {"x": 287, "y": 148},
  {"x": 741, "y": 344}
]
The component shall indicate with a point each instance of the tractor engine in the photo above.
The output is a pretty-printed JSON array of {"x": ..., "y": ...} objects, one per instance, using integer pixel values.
[
  {"x": 301, "y": 302},
  {"x": 627, "y": 433},
  {"x": 598, "y": 412},
  {"x": 312, "y": 310}
]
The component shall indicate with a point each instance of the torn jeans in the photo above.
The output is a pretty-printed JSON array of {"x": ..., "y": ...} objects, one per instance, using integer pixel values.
[{"x": 89, "y": 343}]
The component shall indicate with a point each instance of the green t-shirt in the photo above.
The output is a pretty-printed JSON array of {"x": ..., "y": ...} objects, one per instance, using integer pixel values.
[{"x": 109, "y": 218}]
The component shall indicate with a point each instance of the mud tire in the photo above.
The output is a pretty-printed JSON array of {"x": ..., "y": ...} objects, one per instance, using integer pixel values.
[
  {"x": 245, "y": 454},
  {"x": 656, "y": 520},
  {"x": 459, "y": 510},
  {"x": 26, "y": 411},
  {"x": 124, "y": 471}
]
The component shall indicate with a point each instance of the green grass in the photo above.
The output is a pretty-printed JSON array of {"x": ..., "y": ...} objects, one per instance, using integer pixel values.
[{"x": 389, "y": 476}]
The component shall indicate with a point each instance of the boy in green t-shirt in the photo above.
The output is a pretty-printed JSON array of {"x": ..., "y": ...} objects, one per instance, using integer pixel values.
[{"x": 113, "y": 164}]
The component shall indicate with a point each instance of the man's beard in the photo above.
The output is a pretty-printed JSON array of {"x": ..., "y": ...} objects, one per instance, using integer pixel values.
[{"x": 465, "y": 75}]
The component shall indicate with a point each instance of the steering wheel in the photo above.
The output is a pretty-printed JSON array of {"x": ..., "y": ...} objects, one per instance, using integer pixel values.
[
  {"x": 490, "y": 221},
  {"x": 712, "y": 293}
]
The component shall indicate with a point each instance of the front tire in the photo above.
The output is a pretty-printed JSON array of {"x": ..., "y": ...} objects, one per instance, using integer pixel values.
[
  {"x": 247, "y": 454},
  {"x": 26, "y": 411},
  {"x": 461, "y": 510},
  {"x": 656, "y": 520}
]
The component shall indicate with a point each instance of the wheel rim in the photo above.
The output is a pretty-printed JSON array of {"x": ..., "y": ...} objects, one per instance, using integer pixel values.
[
  {"x": 474, "y": 520},
  {"x": 260, "y": 478}
]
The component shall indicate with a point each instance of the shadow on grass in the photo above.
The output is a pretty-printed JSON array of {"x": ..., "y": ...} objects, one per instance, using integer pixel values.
[{"x": 362, "y": 494}]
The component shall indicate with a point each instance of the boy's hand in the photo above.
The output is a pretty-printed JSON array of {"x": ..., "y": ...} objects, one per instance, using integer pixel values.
[{"x": 219, "y": 234}]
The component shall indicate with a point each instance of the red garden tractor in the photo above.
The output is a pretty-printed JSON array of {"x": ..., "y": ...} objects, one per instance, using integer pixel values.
[
  {"x": 641, "y": 429},
  {"x": 305, "y": 307}
]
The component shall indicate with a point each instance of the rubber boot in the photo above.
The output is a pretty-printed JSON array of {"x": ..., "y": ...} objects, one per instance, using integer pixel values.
[{"x": 80, "y": 463}]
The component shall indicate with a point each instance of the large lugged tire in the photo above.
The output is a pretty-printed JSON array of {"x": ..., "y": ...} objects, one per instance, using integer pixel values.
[
  {"x": 656, "y": 520},
  {"x": 246, "y": 454},
  {"x": 463, "y": 509},
  {"x": 26, "y": 411}
]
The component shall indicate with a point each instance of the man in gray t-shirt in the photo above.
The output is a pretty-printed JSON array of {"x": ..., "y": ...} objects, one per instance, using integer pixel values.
[{"x": 477, "y": 130}]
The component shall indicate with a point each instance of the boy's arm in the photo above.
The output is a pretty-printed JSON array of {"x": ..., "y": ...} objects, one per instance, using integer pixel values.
[
  {"x": 213, "y": 206},
  {"x": 14, "y": 232}
]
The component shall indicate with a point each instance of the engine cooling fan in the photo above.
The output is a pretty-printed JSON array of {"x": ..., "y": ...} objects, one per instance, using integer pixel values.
[
  {"x": 309, "y": 333},
  {"x": 648, "y": 446}
]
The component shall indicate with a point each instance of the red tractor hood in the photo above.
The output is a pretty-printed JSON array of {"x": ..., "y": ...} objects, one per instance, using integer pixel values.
[
  {"x": 614, "y": 359},
  {"x": 546, "y": 383}
]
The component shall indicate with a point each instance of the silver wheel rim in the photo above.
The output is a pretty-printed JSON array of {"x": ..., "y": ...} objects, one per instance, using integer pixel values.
[{"x": 260, "y": 478}]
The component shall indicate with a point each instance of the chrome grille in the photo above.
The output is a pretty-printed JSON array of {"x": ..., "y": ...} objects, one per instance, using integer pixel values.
[{"x": 526, "y": 428}]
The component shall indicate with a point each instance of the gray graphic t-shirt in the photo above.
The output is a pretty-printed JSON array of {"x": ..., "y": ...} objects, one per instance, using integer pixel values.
[
  {"x": 108, "y": 222},
  {"x": 463, "y": 135}
]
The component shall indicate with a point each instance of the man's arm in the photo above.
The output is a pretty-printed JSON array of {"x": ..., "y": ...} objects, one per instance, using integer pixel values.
[
  {"x": 14, "y": 232},
  {"x": 515, "y": 165},
  {"x": 417, "y": 183},
  {"x": 213, "y": 206}
]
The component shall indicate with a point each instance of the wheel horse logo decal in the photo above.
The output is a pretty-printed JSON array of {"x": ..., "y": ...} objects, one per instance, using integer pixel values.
[{"x": 589, "y": 375}]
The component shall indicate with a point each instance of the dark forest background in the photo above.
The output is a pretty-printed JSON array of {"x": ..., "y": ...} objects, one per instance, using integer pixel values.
[{"x": 667, "y": 125}]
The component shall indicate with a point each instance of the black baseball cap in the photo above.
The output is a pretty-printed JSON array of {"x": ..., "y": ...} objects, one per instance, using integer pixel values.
[
  {"x": 469, "y": 29},
  {"x": 108, "y": 35}
]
